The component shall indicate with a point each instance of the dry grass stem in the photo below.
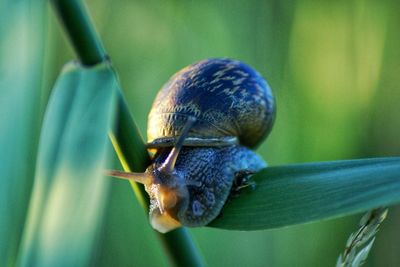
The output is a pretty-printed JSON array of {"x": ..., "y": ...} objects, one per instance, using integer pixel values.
[{"x": 355, "y": 252}]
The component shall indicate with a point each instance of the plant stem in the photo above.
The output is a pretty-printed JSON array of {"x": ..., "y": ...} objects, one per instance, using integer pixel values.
[
  {"x": 126, "y": 138},
  {"x": 80, "y": 31},
  {"x": 181, "y": 247}
]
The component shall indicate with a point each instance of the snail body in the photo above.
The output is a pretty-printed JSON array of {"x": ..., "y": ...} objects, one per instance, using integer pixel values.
[
  {"x": 203, "y": 124},
  {"x": 206, "y": 175}
]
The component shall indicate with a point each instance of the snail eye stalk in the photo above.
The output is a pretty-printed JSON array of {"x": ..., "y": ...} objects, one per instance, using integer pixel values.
[
  {"x": 169, "y": 164},
  {"x": 139, "y": 177}
]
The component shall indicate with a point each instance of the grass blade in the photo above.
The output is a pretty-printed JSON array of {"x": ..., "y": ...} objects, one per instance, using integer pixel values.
[
  {"x": 21, "y": 60},
  {"x": 70, "y": 191},
  {"x": 301, "y": 193}
]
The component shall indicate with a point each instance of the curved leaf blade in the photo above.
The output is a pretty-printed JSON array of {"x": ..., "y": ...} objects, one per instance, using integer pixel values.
[
  {"x": 301, "y": 193},
  {"x": 22, "y": 38},
  {"x": 70, "y": 191}
]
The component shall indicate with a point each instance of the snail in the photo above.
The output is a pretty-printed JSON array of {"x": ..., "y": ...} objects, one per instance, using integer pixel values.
[{"x": 203, "y": 125}]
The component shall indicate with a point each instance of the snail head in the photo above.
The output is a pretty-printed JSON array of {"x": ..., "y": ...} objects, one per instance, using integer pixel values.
[{"x": 166, "y": 187}]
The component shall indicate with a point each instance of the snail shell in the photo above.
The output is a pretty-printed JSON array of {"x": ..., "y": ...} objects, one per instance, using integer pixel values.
[{"x": 229, "y": 99}]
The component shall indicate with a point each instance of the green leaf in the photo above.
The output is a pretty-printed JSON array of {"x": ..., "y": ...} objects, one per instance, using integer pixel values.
[
  {"x": 21, "y": 59},
  {"x": 294, "y": 194},
  {"x": 70, "y": 191}
]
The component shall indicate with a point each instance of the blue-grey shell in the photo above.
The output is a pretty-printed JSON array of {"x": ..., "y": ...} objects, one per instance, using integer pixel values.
[
  {"x": 209, "y": 173},
  {"x": 227, "y": 97}
]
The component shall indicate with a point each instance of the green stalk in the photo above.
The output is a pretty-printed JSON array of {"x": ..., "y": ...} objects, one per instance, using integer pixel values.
[
  {"x": 126, "y": 138},
  {"x": 80, "y": 31}
]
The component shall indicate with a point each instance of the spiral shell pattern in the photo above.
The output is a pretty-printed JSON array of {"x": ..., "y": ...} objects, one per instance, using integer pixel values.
[{"x": 227, "y": 97}]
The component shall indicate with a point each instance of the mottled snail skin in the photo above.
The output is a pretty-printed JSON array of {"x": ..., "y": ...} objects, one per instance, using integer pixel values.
[
  {"x": 208, "y": 174},
  {"x": 228, "y": 98}
]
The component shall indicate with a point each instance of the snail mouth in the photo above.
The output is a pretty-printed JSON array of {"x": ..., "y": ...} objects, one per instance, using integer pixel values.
[
  {"x": 163, "y": 222},
  {"x": 164, "y": 206}
]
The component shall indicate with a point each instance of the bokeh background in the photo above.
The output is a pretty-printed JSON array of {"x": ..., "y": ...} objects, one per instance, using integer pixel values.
[{"x": 334, "y": 67}]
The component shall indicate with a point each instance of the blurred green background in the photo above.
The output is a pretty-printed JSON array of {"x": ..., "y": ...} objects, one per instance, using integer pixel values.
[{"x": 334, "y": 68}]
